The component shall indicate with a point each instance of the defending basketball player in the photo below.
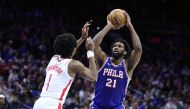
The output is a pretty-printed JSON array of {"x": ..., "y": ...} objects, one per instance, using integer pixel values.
[
  {"x": 62, "y": 69},
  {"x": 115, "y": 71}
]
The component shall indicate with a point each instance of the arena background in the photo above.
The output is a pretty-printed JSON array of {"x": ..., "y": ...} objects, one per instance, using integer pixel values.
[{"x": 28, "y": 27}]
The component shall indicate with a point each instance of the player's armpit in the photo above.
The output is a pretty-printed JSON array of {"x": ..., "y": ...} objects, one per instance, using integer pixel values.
[
  {"x": 133, "y": 60},
  {"x": 100, "y": 55}
]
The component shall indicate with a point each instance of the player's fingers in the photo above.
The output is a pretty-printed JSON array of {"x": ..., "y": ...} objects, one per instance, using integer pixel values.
[
  {"x": 108, "y": 16},
  {"x": 87, "y": 29},
  {"x": 125, "y": 12},
  {"x": 86, "y": 25},
  {"x": 86, "y": 22}
]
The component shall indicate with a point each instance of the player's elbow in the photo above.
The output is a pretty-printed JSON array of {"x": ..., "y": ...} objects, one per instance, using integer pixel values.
[
  {"x": 96, "y": 45},
  {"x": 93, "y": 76},
  {"x": 93, "y": 79},
  {"x": 138, "y": 50}
]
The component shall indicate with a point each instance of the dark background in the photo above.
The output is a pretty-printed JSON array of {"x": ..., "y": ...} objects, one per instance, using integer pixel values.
[{"x": 28, "y": 28}]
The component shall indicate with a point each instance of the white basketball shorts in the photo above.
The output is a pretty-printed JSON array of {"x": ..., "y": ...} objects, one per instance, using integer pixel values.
[{"x": 47, "y": 103}]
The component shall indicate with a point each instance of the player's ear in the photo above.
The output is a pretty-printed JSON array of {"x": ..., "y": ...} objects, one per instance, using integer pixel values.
[{"x": 125, "y": 52}]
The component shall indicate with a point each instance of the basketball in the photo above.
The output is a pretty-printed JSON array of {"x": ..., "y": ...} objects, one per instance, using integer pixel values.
[{"x": 117, "y": 18}]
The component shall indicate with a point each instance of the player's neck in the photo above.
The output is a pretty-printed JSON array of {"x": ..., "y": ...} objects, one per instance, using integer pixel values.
[{"x": 116, "y": 61}]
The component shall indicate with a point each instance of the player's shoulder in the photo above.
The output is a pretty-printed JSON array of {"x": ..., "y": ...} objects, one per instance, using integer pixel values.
[
  {"x": 75, "y": 66},
  {"x": 74, "y": 63}
]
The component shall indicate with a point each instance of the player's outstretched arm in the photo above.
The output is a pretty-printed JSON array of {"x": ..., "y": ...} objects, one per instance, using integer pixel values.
[
  {"x": 84, "y": 35},
  {"x": 77, "y": 67},
  {"x": 136, "y": 53}
]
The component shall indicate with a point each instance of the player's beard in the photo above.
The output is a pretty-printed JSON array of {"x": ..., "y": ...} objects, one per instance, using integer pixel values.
[{"x": 116, "y": 55}]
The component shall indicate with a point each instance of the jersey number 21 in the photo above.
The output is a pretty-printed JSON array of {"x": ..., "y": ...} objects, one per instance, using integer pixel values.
[{"x": 111, "y": 83}]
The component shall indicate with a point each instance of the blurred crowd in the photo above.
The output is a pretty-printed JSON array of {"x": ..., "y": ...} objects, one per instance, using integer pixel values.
[{"x": 161, "y": 80}]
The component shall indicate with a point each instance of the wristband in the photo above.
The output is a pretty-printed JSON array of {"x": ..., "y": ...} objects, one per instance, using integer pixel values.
[
  {"x": 90, "y": 54},
  {"x": 2, "y": 96}
]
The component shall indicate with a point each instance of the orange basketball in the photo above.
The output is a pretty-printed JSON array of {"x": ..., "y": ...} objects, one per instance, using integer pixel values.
[{"x": 117, "y": 18}]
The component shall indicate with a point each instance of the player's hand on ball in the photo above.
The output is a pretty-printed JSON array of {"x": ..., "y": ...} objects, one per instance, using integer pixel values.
[
  {"x": 85, "y": 30},
  {"x": 89, "y": 44},
  {"x": 111, "y": 25},
  {"x": 117, "y": 18},
  {"x": 128, "y": 21}
]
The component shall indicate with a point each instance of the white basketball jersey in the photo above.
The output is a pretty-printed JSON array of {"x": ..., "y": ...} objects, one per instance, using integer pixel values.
[{"x": 57, "y": 82}]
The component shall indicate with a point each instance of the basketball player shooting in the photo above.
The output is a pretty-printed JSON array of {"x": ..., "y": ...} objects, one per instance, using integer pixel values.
[
  {"x": 115, "y": 71},
  {"x": 62, "y": 69}
]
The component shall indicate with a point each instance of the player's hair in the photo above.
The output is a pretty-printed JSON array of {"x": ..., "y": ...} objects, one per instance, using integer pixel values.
[
  {"x": 126, "y": 45},
  {"x": 64, "y": 44}
]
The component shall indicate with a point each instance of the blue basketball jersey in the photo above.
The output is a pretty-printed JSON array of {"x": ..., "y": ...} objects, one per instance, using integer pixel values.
[{"x": 111, "y": 85}]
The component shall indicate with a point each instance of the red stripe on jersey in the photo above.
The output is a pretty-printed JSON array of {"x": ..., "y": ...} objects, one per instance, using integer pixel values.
[
  {"x": 59, "y": 106},
  {"x": 63, "y": 92}
]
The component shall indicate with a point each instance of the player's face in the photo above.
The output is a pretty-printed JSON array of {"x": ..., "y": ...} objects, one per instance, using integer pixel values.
[{"x": 118, "y": 50}]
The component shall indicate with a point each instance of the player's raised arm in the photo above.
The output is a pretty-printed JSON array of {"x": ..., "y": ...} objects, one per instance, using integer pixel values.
[
  {"x": 99, "y": 54},
  {"x": 136, "y": 53},
  {"x": 87, "y": 73},
  {"x": 84, "y": 33}
]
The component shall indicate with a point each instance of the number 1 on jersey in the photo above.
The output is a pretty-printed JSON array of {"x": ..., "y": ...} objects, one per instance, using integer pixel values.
[
  {"x": 48, "y": 81},
  {"x": 111, "y": 83}
]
